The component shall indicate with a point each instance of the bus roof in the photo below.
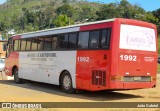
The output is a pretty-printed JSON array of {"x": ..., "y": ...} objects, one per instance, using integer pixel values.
[
  {"x": 77, "y": 27},
  {"x": 65, "y": 27}
]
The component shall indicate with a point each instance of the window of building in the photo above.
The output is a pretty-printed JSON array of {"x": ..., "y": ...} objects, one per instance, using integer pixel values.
[
  {"x": 94, "y": 39},
  {"x": 72, "y": 40},
  {"x": 83, "y": 40}
]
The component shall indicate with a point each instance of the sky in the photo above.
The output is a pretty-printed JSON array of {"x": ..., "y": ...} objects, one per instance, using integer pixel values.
[{"x": 148, "y": 5}]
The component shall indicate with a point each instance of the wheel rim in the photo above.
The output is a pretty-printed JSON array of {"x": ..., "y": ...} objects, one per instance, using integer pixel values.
[{"x": 67, "y": 82}]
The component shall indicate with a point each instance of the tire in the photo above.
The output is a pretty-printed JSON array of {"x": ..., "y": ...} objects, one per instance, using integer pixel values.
[
  {"x": 66, "y": 83},
  {"x": 16, "y": 77}
]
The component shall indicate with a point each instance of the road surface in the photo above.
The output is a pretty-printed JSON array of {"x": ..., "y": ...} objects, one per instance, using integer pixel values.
[{"x": 39, "y": 92}]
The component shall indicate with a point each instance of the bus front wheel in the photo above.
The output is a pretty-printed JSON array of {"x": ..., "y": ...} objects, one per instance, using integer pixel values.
[
  {"x": 16, "y": 76},
  {"x": 66, "y": 83}
]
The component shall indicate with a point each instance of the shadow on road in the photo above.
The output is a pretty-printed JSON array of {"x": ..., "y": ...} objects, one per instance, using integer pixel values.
[{"x": 56, "y": 90}]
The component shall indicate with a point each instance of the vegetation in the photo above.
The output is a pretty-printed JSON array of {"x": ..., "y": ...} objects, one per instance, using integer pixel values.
[{"x": 31, "y": 15}]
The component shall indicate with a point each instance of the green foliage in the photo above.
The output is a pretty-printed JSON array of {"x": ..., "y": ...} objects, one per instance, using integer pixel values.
[
  {"x": 123, "y": 9},
  {"x": 156, "y": 14},
  {"x": 87, "y": 12},
  {"x": 107, "y": 12},
  {"x": 63, "y": 20},
  {"x": 31, "y": 15},
  {"x": 66, "y": 9}
]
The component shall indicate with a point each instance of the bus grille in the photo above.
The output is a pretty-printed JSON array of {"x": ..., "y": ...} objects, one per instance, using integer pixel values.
[{"x": 99, "y": 77}]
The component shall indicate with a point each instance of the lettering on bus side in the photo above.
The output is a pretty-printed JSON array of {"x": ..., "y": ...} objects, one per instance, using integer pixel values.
[
  {"x": 83, "y": 59},
  {"x": 41, "y": 55}
]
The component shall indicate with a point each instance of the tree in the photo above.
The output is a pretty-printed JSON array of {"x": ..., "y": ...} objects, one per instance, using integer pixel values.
[
  {"x": 65, "y": 1},
  {"x": 156, "y": 13},
  {"x": 62, "y": 20},
  {"x": 87, "y": 12},
  {"x": 2, "y": 26},
  {"x": 65, "y": 9},
  {"x": 107, "y": 12}
]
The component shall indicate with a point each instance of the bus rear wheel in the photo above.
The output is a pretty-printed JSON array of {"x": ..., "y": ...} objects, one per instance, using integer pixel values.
[
  {"x": 16, "y": 76},
  {"x": 66, "y": 83}
]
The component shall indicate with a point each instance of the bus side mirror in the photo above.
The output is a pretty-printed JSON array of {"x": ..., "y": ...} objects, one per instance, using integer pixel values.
[{"x": 4, "y": 47}]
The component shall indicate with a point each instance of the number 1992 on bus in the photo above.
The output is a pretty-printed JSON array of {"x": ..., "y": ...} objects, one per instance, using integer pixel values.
[{"x": 128, "y": 57}]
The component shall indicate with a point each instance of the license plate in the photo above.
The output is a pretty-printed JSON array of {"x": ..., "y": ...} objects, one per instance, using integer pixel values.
[{"x": 137, "y": 78}]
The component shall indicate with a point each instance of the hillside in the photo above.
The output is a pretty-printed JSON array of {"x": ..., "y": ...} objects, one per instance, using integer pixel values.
[{"x": 31, "y": 15}]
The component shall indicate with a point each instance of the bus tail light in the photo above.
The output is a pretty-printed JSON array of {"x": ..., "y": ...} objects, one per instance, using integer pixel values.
[
  {"x": 153, "y": 78},
  {"x": 117, "y": 78}
]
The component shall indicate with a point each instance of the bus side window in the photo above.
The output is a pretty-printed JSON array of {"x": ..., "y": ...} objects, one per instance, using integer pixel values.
[
  {"x": 47, "y": 43},
  {"x": 34, "y": 45},
  {"x": 63, "y": 41},
  {"x": 40, "y": 43},
  {"x": 108, "y": 37},
  {"x": 94, "y": 39},
  {"x": 16, "y": 44},
  {"x": 83, "y": 40},
  {"x": 28, "y": 44},
  {"x": 23, "y": 45},
  {"x": 72, "y": 40},
  {"x": 54, "y": 42},
  {"x": 9, "y": 47},
  {"x": 105, "y": 40}
]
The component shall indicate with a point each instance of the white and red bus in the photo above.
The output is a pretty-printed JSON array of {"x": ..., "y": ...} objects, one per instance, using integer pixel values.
[{"x": 112, "y": 54}]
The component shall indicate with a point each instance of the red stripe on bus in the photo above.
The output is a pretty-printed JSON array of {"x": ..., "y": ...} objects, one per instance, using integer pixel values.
[
  {"x": 96, "y": 26},
  {"x": 17, "y": 37}
]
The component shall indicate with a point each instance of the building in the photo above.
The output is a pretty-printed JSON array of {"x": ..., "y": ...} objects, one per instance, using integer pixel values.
[{"x": 2, "y": 42}]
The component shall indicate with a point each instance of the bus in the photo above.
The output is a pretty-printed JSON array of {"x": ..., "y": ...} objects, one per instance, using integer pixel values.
[{"x": 113, "y": 54}]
